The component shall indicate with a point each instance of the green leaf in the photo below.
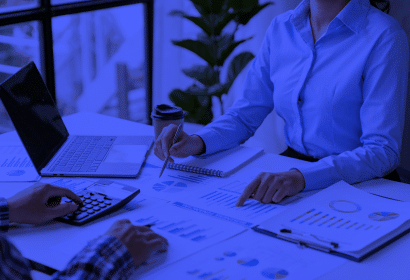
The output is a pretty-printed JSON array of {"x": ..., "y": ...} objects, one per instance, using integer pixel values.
[
  {"x": 184, "y": 100},
  {"x": 245, "y": 15},
  {"x": 204, "y": 74},
  {"x": 237, "y": 64},
  {"x": 206, "y": 7},
  {"x": 201, "y": 22},
  {"x": 197, "y": 90},
  {"x": 217, "y": 90},
  {"x": 225, "y": 46},
  {"x": 202, "y": 49}
]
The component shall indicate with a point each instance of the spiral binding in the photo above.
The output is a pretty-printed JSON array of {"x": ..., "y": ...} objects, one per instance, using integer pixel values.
[{"x": 194, "y": 169}]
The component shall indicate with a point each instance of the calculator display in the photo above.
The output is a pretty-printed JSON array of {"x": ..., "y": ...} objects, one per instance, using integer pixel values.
[{"x": 113, "y": 190}]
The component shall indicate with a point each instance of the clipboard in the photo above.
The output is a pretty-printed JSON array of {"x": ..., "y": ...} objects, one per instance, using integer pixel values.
[{"x": 370, "y": 229}]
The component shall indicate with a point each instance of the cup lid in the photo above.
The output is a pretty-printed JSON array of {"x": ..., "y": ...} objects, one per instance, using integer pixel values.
[{"x": 167, "y": 112}]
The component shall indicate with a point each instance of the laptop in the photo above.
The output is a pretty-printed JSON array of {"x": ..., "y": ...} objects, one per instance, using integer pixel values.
[{"x": 51, "y": 149}]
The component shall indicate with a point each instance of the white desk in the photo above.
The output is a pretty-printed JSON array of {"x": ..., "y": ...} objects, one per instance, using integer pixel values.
[{"x": 389, "y": 263}]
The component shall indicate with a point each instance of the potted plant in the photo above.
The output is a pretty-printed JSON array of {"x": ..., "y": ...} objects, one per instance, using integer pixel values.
[{"x": 214, "y": 45}]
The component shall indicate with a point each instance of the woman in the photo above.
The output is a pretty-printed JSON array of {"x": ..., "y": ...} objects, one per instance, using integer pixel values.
[{"x": 336, "y": 71}]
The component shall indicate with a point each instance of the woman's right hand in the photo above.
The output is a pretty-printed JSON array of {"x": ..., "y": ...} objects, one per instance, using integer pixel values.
[{"x": 187, "y": 145}]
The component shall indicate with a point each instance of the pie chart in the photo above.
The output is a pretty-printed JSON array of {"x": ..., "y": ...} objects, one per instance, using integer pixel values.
[
  {"x": 383, "y": 216},
  {"x": 169, "y": 187},
  {"x": 248, "y": 262},
  {"x": 274, "y": 273},
  {"x": 344, "y": 206}
]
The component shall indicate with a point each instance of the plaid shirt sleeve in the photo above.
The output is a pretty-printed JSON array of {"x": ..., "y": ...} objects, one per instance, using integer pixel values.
[
  {"x": 103, "y": 258},
  {"x": 4, "y": 214},
  {"x": 12, "y": 264}
]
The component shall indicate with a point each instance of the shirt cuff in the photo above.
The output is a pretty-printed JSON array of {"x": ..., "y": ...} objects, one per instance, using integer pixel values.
[
  {"x": 210, "y": 138},
  {"x": 103, "y": 256},
  {"x": 319, "y": 175},
  {"x": 4, "y": 215}
]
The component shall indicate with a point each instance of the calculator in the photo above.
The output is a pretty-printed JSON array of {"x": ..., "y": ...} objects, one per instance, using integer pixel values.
[{"x": 100, "y": 199}]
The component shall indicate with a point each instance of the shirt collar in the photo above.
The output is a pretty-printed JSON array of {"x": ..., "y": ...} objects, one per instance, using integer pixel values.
[{"x": 353, "y": 15}]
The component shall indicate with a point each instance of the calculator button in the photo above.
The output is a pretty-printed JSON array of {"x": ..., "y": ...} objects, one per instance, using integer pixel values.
[
  {"x": 88, "y": 206},
  {"x": 96, "y": 208},
  {"x": 107, "y": 198},
  {"x": 80, "y": 195},
  {"x": 102, "y": 205},
  {"x": 107, "y": 202},
  {"x": 90, "y": 211},
  {"x": 94, "y": 203},
  {"x": 81, "y": 216},
  {"x": 82, "y": 209},
  {"x": 88, "y": 201},
  {"x": 87, "y": 196},
  {"x": 100, "y": 199},
  {"x": 77, "y": 212}
]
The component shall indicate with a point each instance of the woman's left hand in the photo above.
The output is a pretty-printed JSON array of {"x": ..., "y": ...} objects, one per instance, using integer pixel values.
[{"x": 273, "y": 187}]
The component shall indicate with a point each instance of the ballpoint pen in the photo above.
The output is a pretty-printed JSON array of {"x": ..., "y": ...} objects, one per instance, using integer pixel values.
[{"x": 173, "y": 142}]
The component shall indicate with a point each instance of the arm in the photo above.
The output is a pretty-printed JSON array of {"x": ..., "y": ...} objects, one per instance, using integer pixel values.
[
  {"x": 103, "y": 257},
  {"x": 4, "y": 214},
  {"x": 382, "y": 118},
  {"x": 248, "y": 112},
  {"x": 116, "y": 254}
]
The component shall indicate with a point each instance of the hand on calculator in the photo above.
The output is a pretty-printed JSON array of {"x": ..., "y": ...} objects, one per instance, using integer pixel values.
[{"x": 40, "y": 203}]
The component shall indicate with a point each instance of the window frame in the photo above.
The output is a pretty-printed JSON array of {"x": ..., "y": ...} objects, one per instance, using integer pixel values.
[{"x": 44, "y": 14}]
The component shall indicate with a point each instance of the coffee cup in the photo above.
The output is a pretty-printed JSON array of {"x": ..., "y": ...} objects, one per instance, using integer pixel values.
[{"x": 164, "y": 115}]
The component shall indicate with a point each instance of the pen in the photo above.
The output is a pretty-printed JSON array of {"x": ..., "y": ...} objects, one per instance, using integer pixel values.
[
  {"x": 334, "y": 244},
  {"x": 173, "y": 142}
]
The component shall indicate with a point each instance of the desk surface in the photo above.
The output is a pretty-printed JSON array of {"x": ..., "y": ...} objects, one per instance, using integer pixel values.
[{"x": 389, "y": 263}]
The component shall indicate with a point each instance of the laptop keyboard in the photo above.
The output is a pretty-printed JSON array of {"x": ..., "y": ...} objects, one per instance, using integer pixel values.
[{"x": 84, "y": 154}]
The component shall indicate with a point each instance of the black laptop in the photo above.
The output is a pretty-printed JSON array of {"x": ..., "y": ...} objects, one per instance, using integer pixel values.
[{"x": 52, "y": 150}]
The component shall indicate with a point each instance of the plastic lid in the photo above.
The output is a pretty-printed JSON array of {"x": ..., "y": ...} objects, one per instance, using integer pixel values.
[{"x": 166, "y": 112}]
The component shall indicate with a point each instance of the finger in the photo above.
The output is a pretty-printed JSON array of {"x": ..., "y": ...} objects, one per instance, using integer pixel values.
[
  {"x": 143, "y": 229},
  {"x": 63, "y": 209},
  {"x": 279, "y": 195},
  {"x": 248, "y": 191},
  {"x": 157, "y": 151},
  {"x": 262, "y": 188},
  {"x": 54, "y": 191},
  {"x": 158, "y": 244},
  {"x": 167, "y": 139},
  {"x": 273, "y": 188}
]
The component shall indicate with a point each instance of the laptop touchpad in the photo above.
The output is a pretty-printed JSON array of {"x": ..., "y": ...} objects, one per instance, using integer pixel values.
[{"x": 127, "y": 153}]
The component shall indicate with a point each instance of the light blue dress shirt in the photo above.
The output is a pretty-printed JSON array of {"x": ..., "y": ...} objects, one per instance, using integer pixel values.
[{"x": 342, "y": 98}]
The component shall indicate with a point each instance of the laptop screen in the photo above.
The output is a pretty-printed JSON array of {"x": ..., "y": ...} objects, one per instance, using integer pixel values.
[{"x": 34, "y": 114}]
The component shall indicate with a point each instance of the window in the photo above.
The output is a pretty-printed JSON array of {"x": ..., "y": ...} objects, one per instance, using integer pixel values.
[{"x": 94, "y": 55}]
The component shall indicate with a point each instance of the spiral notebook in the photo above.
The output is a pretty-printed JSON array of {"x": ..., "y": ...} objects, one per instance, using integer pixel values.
[{"x": 221, "y": 164}]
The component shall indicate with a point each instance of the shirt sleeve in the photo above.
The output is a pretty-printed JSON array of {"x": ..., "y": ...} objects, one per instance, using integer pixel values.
[
  {"x": 103, "y": 258},
  {"x": 385, "y": 81},
  {"x": 4, "y": 215},
  {"x": 248, "y": 112},
  {"x": 12, "y": 264}
]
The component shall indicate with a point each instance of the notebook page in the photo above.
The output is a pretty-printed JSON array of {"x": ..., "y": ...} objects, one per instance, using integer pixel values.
[{"x": 225, "y": 161}]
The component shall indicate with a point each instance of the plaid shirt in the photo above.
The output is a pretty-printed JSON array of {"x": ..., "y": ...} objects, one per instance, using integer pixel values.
[{"x": 103, "y": 258}]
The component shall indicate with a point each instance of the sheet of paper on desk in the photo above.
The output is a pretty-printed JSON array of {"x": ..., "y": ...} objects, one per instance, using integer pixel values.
[
  {"x": 172, "y": 185},
  {"x": 249, "y": 257},
  {"x": 15, "y": 165},
  {"x": 187, "y": 232},
  {"x": 219, "y": 201}
]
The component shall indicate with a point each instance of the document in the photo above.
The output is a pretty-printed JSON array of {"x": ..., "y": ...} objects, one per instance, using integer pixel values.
[
  {"x": 15, "y": 164},
  {"x": 248, "y": 257},
  {"x": 342, "y": 220},
  {"x": 220, "y": 202}
]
